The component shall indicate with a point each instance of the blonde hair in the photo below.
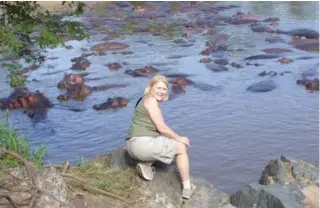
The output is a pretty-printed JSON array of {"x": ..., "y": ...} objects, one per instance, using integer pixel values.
[{"x": 155, "y": 80}]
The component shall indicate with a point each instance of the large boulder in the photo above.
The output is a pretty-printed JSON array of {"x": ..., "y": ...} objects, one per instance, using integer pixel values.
[
  {"x": 284, "y": 183},
  {"x": 165, "y": 189},
  {"x": 270, "y": 196},
  {"x": 52, "y": 185}
]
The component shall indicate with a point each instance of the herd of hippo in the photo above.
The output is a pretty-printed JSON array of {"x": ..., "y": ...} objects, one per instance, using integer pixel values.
[{"x": 203, "y": 18}]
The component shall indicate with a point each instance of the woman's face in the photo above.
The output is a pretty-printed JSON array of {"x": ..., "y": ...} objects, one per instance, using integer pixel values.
[{"x": 159, "y": 91}]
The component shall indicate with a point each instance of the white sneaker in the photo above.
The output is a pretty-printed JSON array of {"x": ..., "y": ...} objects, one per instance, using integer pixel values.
[
  {"x": 146, "y": 172},
  {"x": 187, "y": 193}
]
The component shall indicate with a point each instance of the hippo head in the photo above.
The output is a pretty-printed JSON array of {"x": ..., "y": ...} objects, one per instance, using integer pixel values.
[
  {"x": 70, "y": 79},
  {"x": 37, "y": 100},
  {"x": 117, "y": 102},
  {"x": 75, "y": 91}
]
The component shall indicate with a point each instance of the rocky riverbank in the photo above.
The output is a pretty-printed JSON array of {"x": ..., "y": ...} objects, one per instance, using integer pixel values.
[{"x": 110, "y": 181}]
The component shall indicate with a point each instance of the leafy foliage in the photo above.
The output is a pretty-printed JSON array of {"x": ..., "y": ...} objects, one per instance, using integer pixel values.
[
  {"x": 20, "y": 145},
  {"x": 26, "y": 29}
]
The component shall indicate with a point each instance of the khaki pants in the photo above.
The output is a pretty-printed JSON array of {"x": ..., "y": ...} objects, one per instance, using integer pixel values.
[{"x": 150, "y": 149}]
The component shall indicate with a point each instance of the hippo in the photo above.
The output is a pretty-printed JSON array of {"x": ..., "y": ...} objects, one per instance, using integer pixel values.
[
  {"x": 240, "y": 21},
  {"x": 205, "y": 60},
  {"x": 262, "y": 86},
  {"x": 35, "y": 103},
  {"x": 114, "y": 103},
  {"x": 178, "y": 84},
  {"x": 70, "y": 79},
  {"x": 261, "y": 28},
  {"x": 311, "y": 45},
  {"x": 109, "y": 46},
  {"x": 285, "y": 60},
  {"x": 114, "y": 66},
  {"x": 262, "y": 56},
  {"x": 142, "y": 72},
  {"x": 80, "y": 64},
  {"x": 307, "y": 33},
  {"x": 81, "y": 91},
  {"x": 271, "y": 19},
  {"x": 310, "y": 84}
]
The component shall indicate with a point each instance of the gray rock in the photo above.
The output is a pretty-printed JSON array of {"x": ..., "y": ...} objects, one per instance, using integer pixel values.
[
  {"x": 286, "y": 170},
  {"x": 164, "y": 191},
  {"x": 49, "y": 181},
  {"x": 262, "y": 86},
  {"x": 216, "y": 67},
  {"x": 269, "y": 196}
]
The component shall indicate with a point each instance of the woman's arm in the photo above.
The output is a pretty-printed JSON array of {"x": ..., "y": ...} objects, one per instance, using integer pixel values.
[{"x": 156, "y": 116}]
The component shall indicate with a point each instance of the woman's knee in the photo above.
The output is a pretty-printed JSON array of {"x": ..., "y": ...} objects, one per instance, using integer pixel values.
[{"x": 181, "y": 149}]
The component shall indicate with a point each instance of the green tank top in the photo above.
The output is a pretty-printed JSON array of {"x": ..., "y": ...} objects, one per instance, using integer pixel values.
[{"x": 142, "y": 125}]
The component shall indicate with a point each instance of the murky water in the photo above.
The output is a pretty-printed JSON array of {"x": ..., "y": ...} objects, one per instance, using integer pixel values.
[{"x": 234, "y": 133}]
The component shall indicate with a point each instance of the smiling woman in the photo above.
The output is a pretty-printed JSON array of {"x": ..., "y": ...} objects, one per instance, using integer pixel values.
[{"x": 150, "y": 139}]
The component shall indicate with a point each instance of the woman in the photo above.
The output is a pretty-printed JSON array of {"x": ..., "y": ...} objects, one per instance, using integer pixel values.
[{"x": 150, "y": 139}]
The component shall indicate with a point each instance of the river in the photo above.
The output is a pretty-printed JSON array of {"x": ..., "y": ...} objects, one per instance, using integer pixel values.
[{"x": 233, "y": 132}]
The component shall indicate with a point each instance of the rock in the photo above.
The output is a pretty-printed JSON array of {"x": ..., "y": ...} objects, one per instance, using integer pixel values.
[
  {"x": 275, "y": 39},
  {"x": 284, "y": 183},
  {"x": 262, "y": 86},
  {"x": 235, "y": 65},
  {"x": 165, "y": 189},
  {"x": 285, "y": 170},
  {"x": 259, "y": 196},
  {"x": 49, "y": 181},
  {"x": 221, "y": 61},
  {"x": 262, "y": 56},
  {"x": 216, "y": 67},
  {"x": 276, "y": 50}
]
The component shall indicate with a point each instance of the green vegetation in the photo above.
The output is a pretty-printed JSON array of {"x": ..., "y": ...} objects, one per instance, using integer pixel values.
[
  {"x": 26, "y": 29},
  {"x": 20, "y": 145},
  {"x": 98, "y": 175}
]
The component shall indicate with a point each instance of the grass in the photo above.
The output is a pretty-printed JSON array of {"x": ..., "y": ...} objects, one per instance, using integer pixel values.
[
  {"x": 97, "y": 174},
  {"x": 10, "y": 140},
  {"x": 16, "y": 79}
]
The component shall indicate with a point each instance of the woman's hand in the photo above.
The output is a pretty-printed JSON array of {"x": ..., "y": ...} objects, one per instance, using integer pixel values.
[{"x": 184, "y": 140}]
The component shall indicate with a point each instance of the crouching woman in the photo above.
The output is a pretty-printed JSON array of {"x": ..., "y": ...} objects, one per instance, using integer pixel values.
[{"x": 149, "y": 138}]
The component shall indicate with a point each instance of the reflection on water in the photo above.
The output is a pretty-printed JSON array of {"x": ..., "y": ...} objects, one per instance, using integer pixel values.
[
  {"x": 301, "y": 10},
  {"x": 233, "y": 133}
]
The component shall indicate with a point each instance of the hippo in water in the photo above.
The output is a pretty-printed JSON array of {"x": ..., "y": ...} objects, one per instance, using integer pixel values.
[
  {"x": 70, "y": 79},
  {"x": 35, "y": 103},
  {"x": 114, "y": 103},
  {"x": 307, "y": 33},
  {"x": 81, "y": 91},
  {"x": 262, "y": 86},
  {"x": 142, "y": 72},
  {"x": 310, "y": 84},
  {"x": 179, "y": 84}
]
